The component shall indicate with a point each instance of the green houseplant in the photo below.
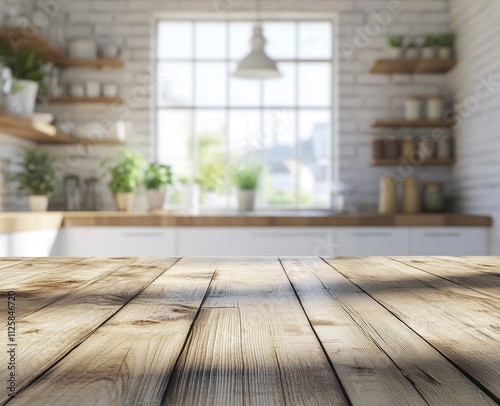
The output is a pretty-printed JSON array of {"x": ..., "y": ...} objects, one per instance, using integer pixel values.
[
  {"x": 412, "y": 50},
  {"x": 395, "y": 46},
  {"x": 36, "y": 177},
  {"x": 429, "y": 47},
  {"x": 246, "y": 178},
  {"x": 157, "y": 179},
  {"x": 29, "y": 72},
  {"x": 446, "y": 44},
  {"x": 127, "y": 173}
]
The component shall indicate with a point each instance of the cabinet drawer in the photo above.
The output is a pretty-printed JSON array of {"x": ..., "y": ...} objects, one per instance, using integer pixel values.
[
  {"x": 449, "y": 241},
  {"x": 372, "y": 241}
]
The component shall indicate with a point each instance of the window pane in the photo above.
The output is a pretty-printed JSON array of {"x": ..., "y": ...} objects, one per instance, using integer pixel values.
[
  {"x": 314, "y": 183},
  {"x": 279, "y": 133},
  {"x": 240, "y": 34},
  {"x": 175, "y": 84},
  {"x": 281, "y": 91},
  {"x": 245, "y": 132},
  {"x": 279, "y": 184},
  {"x": 210, "y": 130},
  {"x": 210, "y": 40},
  {"x": 281, "y": 42},
  {"x": 315, "y": 133},
  {"x": 175, "y": 40},
  {"x": 315, "y": 40},
  {"x": 243, "y": 92},
  {"x": 174, "y": 130},
  {"x": 211, "y": 80},
  {"x": 315, "y": 84}
]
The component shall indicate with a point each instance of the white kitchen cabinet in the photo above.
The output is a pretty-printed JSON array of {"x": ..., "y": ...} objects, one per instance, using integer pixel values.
[
  {"x": 372, "y": 241},
  {"x": 449, "y": 241},
  {"x": 254, "y": 241},
  {"x": 116, "y": 242},
  {"x": 36, "y": 243}
]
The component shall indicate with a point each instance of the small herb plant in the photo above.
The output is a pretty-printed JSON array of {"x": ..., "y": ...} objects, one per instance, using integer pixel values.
[
  {"x": 158, "y": 176},
  {"x": 447, "y": 40},
  {"x": 395, "y": 41},
  {"x": 25, "y": 65},
  {"x": 246, "y": 177},
  {"x": 430, "y": 41},
  {"x": 126, "y": 174},
  {"x": 36, "y": 175},
  {"x": 412, "y": 44}
]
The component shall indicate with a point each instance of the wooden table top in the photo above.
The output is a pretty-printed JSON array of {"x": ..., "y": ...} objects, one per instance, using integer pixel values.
[{"x": 240, "y": 331}]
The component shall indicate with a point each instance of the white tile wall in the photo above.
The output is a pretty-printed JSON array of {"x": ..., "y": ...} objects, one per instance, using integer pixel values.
[
  {"x": 363, "y": 97},
  {"x": 478, "y": 143}
]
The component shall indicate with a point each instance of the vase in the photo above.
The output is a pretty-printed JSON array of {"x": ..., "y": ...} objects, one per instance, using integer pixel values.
[
  {"x": 445, "y": 53},
  {"x": 38, "y": 202},
  {"x": 428, "y": 53},
  {"x": 157, "y": 199},
  {"x": 246, "y": 200},
  {"x": 411, "y": 53},
  {"x": 26, "y": 96},
  {"x": 124, "y": 201},
  {"x": 396, "y": 53}
]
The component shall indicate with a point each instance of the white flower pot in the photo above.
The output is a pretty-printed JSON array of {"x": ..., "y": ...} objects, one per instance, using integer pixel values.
[
  {"x": 411, "y": 53},
  {"x": 38, "y": 202},
  {"x": 445, "y": 53},
  {"x": 157, "y": 199},
  {"x": 428, "y": 53},
  {"x": 396, "y": 53},
  {"x": 124, "y": 201},
  {"x": 26, "y": 96},
  {"x": 246, "y": 200}
]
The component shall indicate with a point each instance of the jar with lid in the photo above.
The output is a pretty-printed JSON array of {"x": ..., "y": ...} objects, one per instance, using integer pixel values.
[
  {"x": 434, "y": 108},
  {"x": 388, "y": 201},
  {"x": 378, "y": 148},
  {"x": 434, "y": 197},
  {"x": 426, "y": 148},
  {"x": 412, "y": 108},
  {"x": 444, "y": 147},
  {"x": 411, "y": 196},
  {"x": 408, "y": 148},
  {"x": 391, "y": 147}
]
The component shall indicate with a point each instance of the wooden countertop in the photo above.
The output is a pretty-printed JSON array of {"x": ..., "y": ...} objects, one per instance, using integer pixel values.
[
  {"x": 233, "y": 331},
  {"x": 10, "y": 222}
]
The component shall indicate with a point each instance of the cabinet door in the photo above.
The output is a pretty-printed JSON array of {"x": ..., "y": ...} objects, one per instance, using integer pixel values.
[
  {"x": 449, "y": 241},
  {"x": 117, "y": 241},
  {"x": 250, "y": 241},
  {"x": 372, "y": 241},
  {"x": 38, "y": 243}
]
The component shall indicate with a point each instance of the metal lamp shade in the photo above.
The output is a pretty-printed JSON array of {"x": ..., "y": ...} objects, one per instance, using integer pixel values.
[{"x": 257, "y": 65}]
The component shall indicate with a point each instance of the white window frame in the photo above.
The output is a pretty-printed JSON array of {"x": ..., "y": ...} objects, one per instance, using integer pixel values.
[{"x": 265, "y": 16}]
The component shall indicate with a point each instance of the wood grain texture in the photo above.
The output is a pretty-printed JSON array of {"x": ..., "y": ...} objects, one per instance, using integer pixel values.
[
  {"x": 462, "y": 324},
  {"x": 46, "y": 336},
  {"x": 372, "y": 351},
  {"x": 252, "y": 345},
  {"x": 138, "y": 347}
]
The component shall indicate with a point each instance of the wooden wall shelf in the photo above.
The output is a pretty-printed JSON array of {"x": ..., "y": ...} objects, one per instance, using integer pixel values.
[
  {"x": 401, "y": 161},
  {"x": 395, "y": 123},
  {"x": 42, "y": 133},
  {"x": 86, "y": 100},
  {"x": 50, "y": 53},
  {"x": 420, "y": 66}
]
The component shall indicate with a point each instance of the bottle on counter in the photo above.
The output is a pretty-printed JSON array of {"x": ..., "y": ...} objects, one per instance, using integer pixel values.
[
  {"x": 434, "y": 201},
  {"x": 391, "y": 147},
  {"x": 388, "y": 200},
  {"x": 408, "y": 148},
  {"x": 412, "y": 108},
  {"x": 411, "y": 196}
]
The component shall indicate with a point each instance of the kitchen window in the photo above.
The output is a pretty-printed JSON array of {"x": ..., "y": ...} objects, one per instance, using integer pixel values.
[{"x": 206, "y": 118}]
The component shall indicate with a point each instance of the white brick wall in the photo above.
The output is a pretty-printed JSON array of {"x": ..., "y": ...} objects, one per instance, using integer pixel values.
[
  {"x": 477, "y": 172},
  {"x": 363, "y": 97}
]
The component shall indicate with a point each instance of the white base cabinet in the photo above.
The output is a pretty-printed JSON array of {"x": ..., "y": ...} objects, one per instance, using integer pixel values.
[
  {"x": 38, "y": 243},
  {"x": 454, "y": 241},
  {"x": 372, "y": 241}
]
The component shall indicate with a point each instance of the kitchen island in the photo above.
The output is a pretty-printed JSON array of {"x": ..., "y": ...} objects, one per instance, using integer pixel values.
[{"x": 234, "y": 331}]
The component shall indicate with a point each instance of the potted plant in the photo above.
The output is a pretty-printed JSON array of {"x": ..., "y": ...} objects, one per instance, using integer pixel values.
[
  {"x": 29, "y": 72},
  {"x": 446, "y": 44},
  {"x": 126, "y": 176},
  {"x": 246, "y": 178},
  {"x": 412, "y": 50},
  {"x": 429, "y": 47},
  {"x": 396, "y": 46},
  {"x": 158, "y": 177},
  {"x": 37, "y": 178}
]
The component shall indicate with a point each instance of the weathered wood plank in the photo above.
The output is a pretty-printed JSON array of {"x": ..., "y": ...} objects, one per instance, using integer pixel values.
[
  {"x": 128, "y": 361},
  {"x": 47, "y": 335},
  {"x": 49, "y": 283},
  {"x": 252, "y": 344},
  {"x": 465, "y": 329},
  {"x": 379, "y": 360},
  {"x": 7, "y": 262}
]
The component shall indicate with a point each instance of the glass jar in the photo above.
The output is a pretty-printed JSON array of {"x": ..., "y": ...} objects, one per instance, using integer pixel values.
[
  {"x": 434, "y": 197},
  {"x": 411, "y": 196},
  {"x": 435, "y": 109},
  {"x": 391, "y": 148},
  {"x": 444, "y": 147},
  {"x": 412, "y": 108},
  {"x": 388, "y": 201},
  {"x": 426, "y": 148},
  {"x": 378, "y": 148},
  {"x": 408, "y": 148}
]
